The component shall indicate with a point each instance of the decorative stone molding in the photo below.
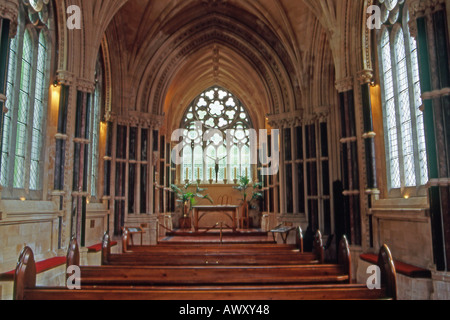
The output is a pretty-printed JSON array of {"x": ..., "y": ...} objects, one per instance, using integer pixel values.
[
  {"x": 443, "y": 182},
  {"x": 369, "y": 135},
  {"x": 9, "y": 9},
  {"x": 418, "y": 8},
  {"x": 435, "y": 94},
  {"x": 65, "y": 78},
  {"x": 85, "y": 85},
  {"x": 347, "y": 140},
  {"x": 321, "y": 113},
  {"x": 286, "y": 120},
  {"x": 365, "y": 76},
  {"x": 344, "y": 85},
  {"x": 60, "y": 136},
  {"x": 140, "y": 119}
]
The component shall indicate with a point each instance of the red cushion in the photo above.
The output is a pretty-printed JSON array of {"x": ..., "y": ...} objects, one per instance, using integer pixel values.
[
  {"x": 400, "y": 267},
  {"x": 41, "y": 267},
  {"x": 98, "y": 247}
]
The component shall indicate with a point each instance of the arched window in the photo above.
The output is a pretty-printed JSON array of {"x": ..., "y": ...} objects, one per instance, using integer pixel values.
[
  {"x": 27, "y": 95},
  {"x": 403, "y": 121},
  {"x": 205, "y": 154},
  {"x": 95, "y": 121}
]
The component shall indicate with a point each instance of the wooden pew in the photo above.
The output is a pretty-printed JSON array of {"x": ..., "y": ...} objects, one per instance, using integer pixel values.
[
  {"x": 127, "y": 247},
  {"x": 184, "y": 275},
  {"x": 224, "y": 255},
  {"x": 25, "y": 288}
]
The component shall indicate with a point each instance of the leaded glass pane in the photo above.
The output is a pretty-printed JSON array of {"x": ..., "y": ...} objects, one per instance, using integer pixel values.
[
  {"x": 36, "y": 143},
  {"x": 404, "y": 123},
  {"x": 218, "y": 109},
  {"x": 423, "y": 159},
  {"x": 391, "y": 115},
  {"x": 10, "y": 106},
  {"x": 22, "y": 119}
]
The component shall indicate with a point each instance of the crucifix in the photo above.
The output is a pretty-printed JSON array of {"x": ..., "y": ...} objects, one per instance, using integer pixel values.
[{"x": 217, "y": 166}]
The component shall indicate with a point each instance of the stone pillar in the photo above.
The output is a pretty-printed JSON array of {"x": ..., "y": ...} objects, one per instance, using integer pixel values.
[
  {"x": 433, "y": 45},
  {"x": 351, "y": 210}
]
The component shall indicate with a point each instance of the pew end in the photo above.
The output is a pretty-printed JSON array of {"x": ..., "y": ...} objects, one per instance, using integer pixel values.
[
  {"x": 299, "y": 239},
  {"x": 106, "y": 249},
  {"x": 125, "y": 241},
  {"x": 73, "y": 253},
  {"x": 344, "y": 258},
  {"x": 25, "y": 275},
  {"x": 388, "y": 272},
  {"x": 318, "y": 247}
]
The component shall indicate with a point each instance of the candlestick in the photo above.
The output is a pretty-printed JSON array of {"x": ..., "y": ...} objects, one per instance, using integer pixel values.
[
  {"x": 210, "y": 173},
  {"x": 246, "y": 172},
  {"x": 187, "y": 174},
  {"x": 198, "y": 173},
  {"x": 225, "y": 174},
  {"x": 235, "y": 174}
]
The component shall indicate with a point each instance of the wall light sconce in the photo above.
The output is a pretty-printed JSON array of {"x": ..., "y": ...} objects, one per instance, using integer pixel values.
[
  {"x": 372, "y": 83},
  {"x": 56, "y": 83}
]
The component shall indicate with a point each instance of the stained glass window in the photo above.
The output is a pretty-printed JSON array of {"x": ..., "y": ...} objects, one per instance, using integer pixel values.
[
  {"x": 96, "y": 110},
  {"x": 22, "y": 118},
  {"x": 403, "y": 121},
  {"x": 10, "y": 106},
  {"x": 222, "y": 117},
  {"x": 36, "y": 143},
  {"x": 26, "y": 91}
]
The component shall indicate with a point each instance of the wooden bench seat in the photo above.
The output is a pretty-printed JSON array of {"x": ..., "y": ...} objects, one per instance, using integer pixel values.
[
  {"x": 25, "y": 288},
  {"x": 178, "y": 273},
  {"x": 222, "y": 259},
  {"x": 242, "y": 293},
  {"x": 227, "y": 254},
  {"x": 401, "y": 268},
  {"x": 238, "y": 275}
]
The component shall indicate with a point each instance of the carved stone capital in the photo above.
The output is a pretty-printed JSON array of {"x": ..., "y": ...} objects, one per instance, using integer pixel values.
[
  {"x": 419, "y": 8},
  {"x": 344, "y": 85},
  {"x": 85, "y": 85},
  {"x": 286, "y": 120},
  {"x": 140, "y": 119},
  {"x": 365, "y": 76},
  {"x": 65, "y": 78},
  {"x": 9, "y": 9}
]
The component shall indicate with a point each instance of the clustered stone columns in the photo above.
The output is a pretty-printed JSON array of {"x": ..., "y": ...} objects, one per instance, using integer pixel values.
[
  {"x": 430, "y": 27},
  {"x": 350, "y": 217}
]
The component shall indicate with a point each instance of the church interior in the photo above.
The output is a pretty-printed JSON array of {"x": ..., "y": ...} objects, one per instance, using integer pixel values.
[{"x": 242, "y": 126}]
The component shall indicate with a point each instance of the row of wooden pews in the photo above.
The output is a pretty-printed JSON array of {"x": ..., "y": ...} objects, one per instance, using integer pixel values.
[
  {"x": 262, "y": 279},
  {"x": 213, "y": 254}
]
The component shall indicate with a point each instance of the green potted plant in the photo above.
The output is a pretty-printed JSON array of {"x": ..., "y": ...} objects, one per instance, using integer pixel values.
[
  {"x": 187, "y": 198},
  {"x": 246, "y": 190}
]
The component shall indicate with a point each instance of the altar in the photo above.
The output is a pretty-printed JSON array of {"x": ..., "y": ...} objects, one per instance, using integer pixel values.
[{"x": 230, "y": 212}]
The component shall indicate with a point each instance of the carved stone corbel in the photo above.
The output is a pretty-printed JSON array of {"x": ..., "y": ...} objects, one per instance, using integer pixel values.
[{"x": 344, "y": 85}]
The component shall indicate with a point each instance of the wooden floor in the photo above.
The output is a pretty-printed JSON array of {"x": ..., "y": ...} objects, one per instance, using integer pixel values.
[{"x": 203, "y": 236}]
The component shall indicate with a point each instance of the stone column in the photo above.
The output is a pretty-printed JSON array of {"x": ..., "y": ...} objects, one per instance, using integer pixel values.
[
  {"x": 81, "y": 142},
  {"x": 350, "y": 217},
  {"x": 433, "y": 46}
]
